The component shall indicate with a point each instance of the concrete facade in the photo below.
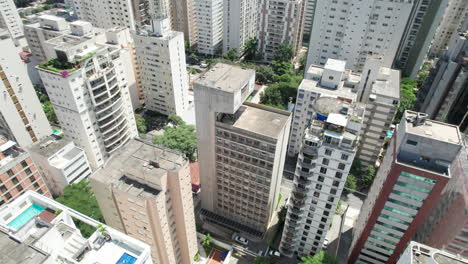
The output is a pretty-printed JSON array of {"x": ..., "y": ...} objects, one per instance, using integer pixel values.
[
  {"x": 183, "y": 19},
  {"x": 144, "y": 190},
  {"x": 60, "y": 162},
  {"x": 327, "y": 153},
  {"x": 106, "y": 14},
  {"x": 417, "y": 253},
  {"x": 309, "y": 18},
  {"x": 10, "y": 19},
  {"x": 350, "y": 32},
  {"x": 415, "y": 170},
  {"x": 280, "y": 21},
  {"x": 163, "y": 73},
  {"x": 18, "y": 173},
  {"x": 21, "y": 116},
  {"x": 209, "y": 16},
  {"x": 240, "y": 23},
  {"x": 241, "y": 150}
]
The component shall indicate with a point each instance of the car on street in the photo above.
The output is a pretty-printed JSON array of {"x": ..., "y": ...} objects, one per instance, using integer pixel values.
[
  {"x": 325, "y": 243},
  {"x": 274, "y": 253},
  {"x": 242, "y": 240}
]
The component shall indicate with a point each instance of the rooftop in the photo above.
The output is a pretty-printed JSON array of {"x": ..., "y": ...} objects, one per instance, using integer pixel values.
[
  {"x": 49, "y": 145},
  {"x": 226, "y": 77},
  {"x": 342, "y": 91},
  {"x": 138, "y": 167},
  {"x": 327, "y": 106},
  {"x": 389, "y": 87},
  {"x": 432, "y": 129},
  {"x": 258, "y": 119},
  {"x": 14, "y": 252},
  {"x": 422, "y": 254},
  {"x": 335, "y": 65}
]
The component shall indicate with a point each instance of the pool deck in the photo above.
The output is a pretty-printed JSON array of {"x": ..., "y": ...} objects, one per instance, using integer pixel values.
[{"x": 109, "y": 251}]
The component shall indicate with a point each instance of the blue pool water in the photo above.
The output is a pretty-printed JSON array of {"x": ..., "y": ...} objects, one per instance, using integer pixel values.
[
  {"x": 126, "y": 259},
  {"x": 25, "y": 216}
]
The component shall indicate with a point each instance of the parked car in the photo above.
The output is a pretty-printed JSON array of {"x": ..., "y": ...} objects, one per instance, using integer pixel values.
[
  {"x": 241, "y": 240},
  {"x": 325, "y": 243},
  {"x": 274, "y": 253}
]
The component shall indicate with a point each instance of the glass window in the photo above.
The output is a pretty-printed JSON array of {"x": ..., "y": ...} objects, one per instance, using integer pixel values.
[
  {"x": 344, "y": 157},
  {"x": 408, "y": 195},
  {"x": 416, "y": 177},
  {"x": 413, "y": 187},
  {"x": 398, "y": 211},
  {"x": 328, "y": 152},
  {"x": 411, "y": 142}
]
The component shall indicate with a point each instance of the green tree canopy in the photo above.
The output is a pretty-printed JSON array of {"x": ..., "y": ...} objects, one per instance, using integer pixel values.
[
  {"x": 232, "y": 54},
  {"x": 180, "y": 137},
  {"x": 141, "y": 124},
  {"x": 367, "y": 177},
  {"x": 49, "y": 112},
  {"x": 175, "y": 120},
  {"x": 282, "y": 67},
  {"x": 262, "y": 260},
  {"x": 407, "y": 98},
  {"x": 250, "y": 48},
  {"x": 351, "y": 182},
  {"x": 285, "y": 52},
  {"x": 278, "y": 94},
  {"x": 320, "y": 258},
  {"x": 264, "y": 74}
]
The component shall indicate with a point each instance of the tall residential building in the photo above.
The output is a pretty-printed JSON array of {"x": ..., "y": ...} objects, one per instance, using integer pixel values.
[
  {"x": 35, "y": 229},
  {"x": 209, "y": 20},
  {"x": 240, "y": 23},
  {"x": 88, "y": 87},
  {"x": 326, "y": 156},
  {"x": 446, "y": 227},
  {"x": 145, "y": 191},
  {"x": 160, "y": 55},
  {"x": 280, "y": 21},
  {"x": 331, "y": 80},
  {"x": 141, "y": 12},
  {"x": 183, "y": 19},
  {"x": 453, "y": 18},
  {"x": 10, "y": 19},
  {"x": 349, "y": 31},
  {"x": 380, "y": 91},
  {"x": 60, "y": 162},
  {"x": 18, "y": 173},
  {"x": 21, "y": 116},
  {"x": 415, "y": 170},
  {"x": 416, "y": 253},
  {"x": 424, "y": 19},
  {"x": 106, "y": 14},
  {"x": 444, "y": 95},
  {"x": 241, "y": 149},
  {"x": 309, "y": 18}
]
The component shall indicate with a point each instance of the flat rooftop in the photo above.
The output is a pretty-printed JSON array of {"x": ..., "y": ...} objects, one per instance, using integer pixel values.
[
  {"x": 389, "y": 87},
  {"x": 259, "y": 119},
  {"x": 433, "y": 129},
  {"x": 137, "y": 168},
  {"x": 335, "y": 65},
  {"x": 225, "y": 77},
  {"x": 314, "y": 86},
  {"x": 49, "y": 145},
  {"x": 422, "y": 254},
  {"x": 14, "y": 252}
]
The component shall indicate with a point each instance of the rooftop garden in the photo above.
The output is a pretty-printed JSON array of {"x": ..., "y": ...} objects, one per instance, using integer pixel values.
[
  {"x": 87, "y": 56},
  {"x": 58, "y": 66}
]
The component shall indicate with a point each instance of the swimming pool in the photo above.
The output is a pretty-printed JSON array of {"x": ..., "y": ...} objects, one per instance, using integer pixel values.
[
  {"x": 25, "y": 216},
  {"x": 126, "y": 259}
]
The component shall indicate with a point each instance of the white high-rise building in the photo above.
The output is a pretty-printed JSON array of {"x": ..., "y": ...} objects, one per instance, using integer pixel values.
[
  {"x": 106, "y": 14},
  {"x": 161, "y": 59},
  {"x": 240, "y": 23},
  {"x": 351, "y": 31},
  {"x": 309, "y": 18},
  {"x": 10, "y": 20},
  {"x": 21, "y": 116},
  {"x": 88, "y": 88},
  {"x": 209, "y": 19}
]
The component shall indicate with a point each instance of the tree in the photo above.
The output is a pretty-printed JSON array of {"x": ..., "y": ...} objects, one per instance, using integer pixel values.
[
  {"x": 207, "y": 240},
  {"x": 282, "y": 214},
  {"x": 282, "y": 67},
  {"x": 285, "y": 52},
  {"x": 351, "y": 182},
  {"x": 175, "y": 120},
  {"x": 181, "y": 137},
  {"x": 250, "y": 48},
  {"x": 368, "y": 177},
  {"x": 320, "y": 258},
  {"x": 49, "y": 112},
  {"x": 421, "y": 78},
  {"x": 264, "y": 74},
  {"x": 80, "y": 197},
  {"x": 231, "y": 54},
  {"x": 407, "y": 98},
  {"x": 141, "y": 124},
  {"x": 262, "y": 260}
]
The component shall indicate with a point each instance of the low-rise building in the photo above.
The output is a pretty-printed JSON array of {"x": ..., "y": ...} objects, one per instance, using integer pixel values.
[{"x": 416, "y": 253}]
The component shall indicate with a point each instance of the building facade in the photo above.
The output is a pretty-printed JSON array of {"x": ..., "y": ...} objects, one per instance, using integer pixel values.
[
  {"x": 451, "y": 23},
  {"x": 280, "y": 22},
  {"x": 309, "y": 19},
  {"x": 328, "y": 149},
  {"x": 350, "y": 32},
  {"x": 89, "y": 91},
  {"x": 106, "y": 14},
  {"x": 44, "y": 231},
  {"x": 241, "y": 150},
  {"x": 209, "y": 20},
  {"x": 21, "y": 116},
  {"x": 145, "y": 191},
  {"x": 10, "y": 19},
  {"x": 183, "y": 19},
  {"x": 18, "y": 173},
  {"x": 417, "y": 253},
  {"x": 415, "y": 170},
  {"x": 160, "y": 55},
  {"x": 60, "y": 162},
  {"x": 240, "y": 23}
]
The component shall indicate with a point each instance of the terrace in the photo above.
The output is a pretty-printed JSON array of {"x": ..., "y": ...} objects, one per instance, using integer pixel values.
[{"x": 59, "y": 67}]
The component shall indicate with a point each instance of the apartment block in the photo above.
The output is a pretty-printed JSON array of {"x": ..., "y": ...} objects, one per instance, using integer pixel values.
[
  {"x": 160, "y": 55},
  {"x": 327, "y": 153},
  {"x": 309, "y": 18},
  {"x": 183, "y": 19},
  {"x": 241, "y": 150},
  {"x": 209, "y": 20},
  {"x": 240, "y": 23},
  {"x": 416, "y": 168},
  {"x": 446, "y": 226},
  {"x": 331, "y": 80},
  {"x": 21, "y": 116},
  {"x": 145, "y": 191},
  {"x": 60, "y": 162},
  {"x": 36, "y": 229},
  {"x": 280, "y": 21},
  {"x": 451, "y": 23},
  {"x": 106, "y": 14},
  {"x": 349, "y": 31},
  {"x": 10, "y": 19},
  {"x": 141, "y": 12},
  {"x": 444, "y": 95},
  {"x": 417, "y": 253},
  {"x": 422, "y": 24},
  {"x": 18, "y": 173},
  {"x": 88, "y": 86}
]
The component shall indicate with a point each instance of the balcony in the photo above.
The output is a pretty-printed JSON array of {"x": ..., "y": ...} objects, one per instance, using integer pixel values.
[
  {"x": 114, "y": 109},
  {"x": 302, "y": 180},
  {"x": 299, "y": 195}
]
